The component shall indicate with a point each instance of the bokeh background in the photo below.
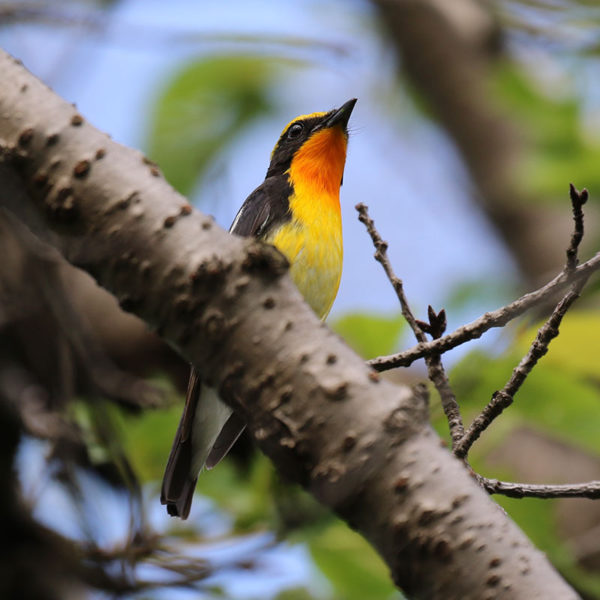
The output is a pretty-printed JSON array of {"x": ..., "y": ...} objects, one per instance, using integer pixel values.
[{"x": 472, "y": 119}]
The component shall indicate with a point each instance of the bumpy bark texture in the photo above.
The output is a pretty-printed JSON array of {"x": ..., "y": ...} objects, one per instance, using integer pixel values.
[{"x": 360, "y": 444}]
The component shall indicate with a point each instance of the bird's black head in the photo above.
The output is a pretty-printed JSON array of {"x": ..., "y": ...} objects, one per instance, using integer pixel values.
[{"x": 298, "y": 131}]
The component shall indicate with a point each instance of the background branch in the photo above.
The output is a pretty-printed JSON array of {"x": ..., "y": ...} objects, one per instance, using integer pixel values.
[{"x": 453, "y": 54}]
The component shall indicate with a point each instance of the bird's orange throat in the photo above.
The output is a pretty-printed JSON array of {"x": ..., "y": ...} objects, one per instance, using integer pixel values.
[
  {"x": 312, "y": 240},
  {"x": 318, "y": 167}
]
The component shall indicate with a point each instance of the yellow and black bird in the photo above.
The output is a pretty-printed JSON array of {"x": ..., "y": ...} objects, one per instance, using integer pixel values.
[{"x": 297, "y": 209}]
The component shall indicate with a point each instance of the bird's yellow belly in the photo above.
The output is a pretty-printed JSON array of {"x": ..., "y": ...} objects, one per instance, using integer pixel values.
[{"x": 315, "y": 254}]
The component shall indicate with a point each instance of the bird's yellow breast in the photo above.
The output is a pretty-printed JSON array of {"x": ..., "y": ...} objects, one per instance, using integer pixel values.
[{"x": 314, "y": 249}]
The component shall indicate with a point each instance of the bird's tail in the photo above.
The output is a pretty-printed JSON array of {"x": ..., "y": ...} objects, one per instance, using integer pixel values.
[{"x": 203, "y": 418}]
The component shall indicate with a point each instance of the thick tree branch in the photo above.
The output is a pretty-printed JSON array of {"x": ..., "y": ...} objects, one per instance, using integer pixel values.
[{"x": 361, "y": 446}]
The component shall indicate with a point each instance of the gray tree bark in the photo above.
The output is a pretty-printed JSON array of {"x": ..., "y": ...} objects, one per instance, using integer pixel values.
[{"x": 359, "y": 444}]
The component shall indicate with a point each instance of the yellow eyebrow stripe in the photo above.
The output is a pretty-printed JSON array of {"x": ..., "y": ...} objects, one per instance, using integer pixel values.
[{"x": 302, "y": 117}]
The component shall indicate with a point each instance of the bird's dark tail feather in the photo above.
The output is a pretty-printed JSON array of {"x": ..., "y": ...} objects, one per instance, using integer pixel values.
[
  {"x": 180, "y": 507},
  {"x": 178, "y": 485},
  {"x": 229, "y": 434}
]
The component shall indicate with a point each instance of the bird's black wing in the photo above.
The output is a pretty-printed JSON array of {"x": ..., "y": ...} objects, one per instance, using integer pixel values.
[{"x": 265, "y": 208}]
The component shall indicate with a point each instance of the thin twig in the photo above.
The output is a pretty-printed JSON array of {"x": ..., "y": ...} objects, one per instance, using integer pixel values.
[
  {"x": 590, "y": 489},
  {"x": 436, "y": 326},
  {"x": 578, "y": 199},
  {"x": 382, "y": 258},
  {"x": 504, "y": 397},
  {"x": 438, "y": 376},
  {"x": 497, "y": 318}
]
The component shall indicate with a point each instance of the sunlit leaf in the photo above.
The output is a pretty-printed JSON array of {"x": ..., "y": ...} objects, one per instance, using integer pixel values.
[
  {"x": 203, "y": 108},
  {"x": 351, "y": 564},
  {"x": 369, "y": 334},
  {"x": 295, "y": 594},
  {"x": 553, "y": 398},
  {"x": 577, "y": 347},
  {"x": 558, "y": 148}
]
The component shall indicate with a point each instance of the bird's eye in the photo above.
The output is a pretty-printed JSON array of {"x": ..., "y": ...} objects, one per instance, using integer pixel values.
[{"x": 295, "y": 130}]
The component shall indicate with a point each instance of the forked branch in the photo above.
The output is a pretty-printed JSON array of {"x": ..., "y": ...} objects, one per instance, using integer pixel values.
[
  {"x": 503, "y": 398},
  {"x": 572, "y": 276},
  {"x": 496, "y": 318}
]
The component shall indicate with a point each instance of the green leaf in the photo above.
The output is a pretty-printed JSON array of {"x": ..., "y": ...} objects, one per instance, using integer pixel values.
[
  {"x": 246, "y": 496},
  {"x": 295, "y": 594},
  {"x": 577, "y": 347},
  {"x": 370, "y": 335},
  {"x": 553, "y": 398},
  {"x": 148, "y": 439},
  {"x": 558, "y": 147},
  {"x": 203, "y": 108},
  {"x": 351, "y": 565}
]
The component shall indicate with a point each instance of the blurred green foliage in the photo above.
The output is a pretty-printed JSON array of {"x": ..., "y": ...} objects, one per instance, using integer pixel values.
[
  {"x": 537, "y": 518},
  {"x": 471, "y": 294},
  {"x": 558, "y": 147},
  {"x": 295, "y": 594},
  {"x": 148, "y": 438},
  {"x": 561, "y": 395},
  {"x": 203, "y": 109},
  {"x": 350, "y": 564},
  {"x": 370, "y": 334},
  {"x": 577, "y": 349}
]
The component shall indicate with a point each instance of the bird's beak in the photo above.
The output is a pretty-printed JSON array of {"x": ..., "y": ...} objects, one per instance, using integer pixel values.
[{"x": 341, "y": 116}]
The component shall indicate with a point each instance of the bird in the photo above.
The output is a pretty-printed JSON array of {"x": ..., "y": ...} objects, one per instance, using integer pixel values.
[{"x": 297, "y": 210}]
